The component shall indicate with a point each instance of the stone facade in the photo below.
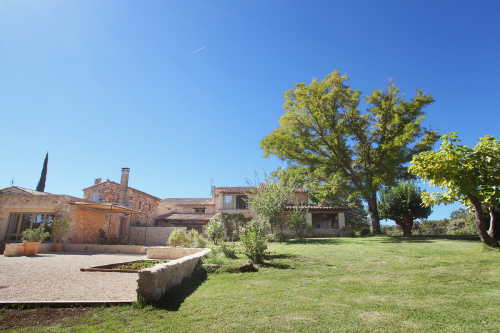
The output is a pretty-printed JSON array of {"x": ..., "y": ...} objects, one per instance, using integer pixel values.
[
  {"x": 151, "y": 236},
  {"x": 85, "y": 225},
  {"x": 135, "y": 199}
]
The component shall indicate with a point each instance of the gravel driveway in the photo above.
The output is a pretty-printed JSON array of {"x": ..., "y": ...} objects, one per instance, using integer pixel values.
[{"x": 57, "y": 277}]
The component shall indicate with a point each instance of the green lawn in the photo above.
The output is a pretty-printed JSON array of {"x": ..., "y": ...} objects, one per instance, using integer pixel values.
[{"x": 422, "y": 284}]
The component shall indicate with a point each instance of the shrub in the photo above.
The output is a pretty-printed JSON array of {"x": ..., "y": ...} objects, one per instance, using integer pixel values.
[
  {"x": 364, "y": 232},
  {"x": 35, "y": 235},
  {"x": 179, "y": 238},
  {"x": 200, "y": 241},
  {"x": 59, "y": 229},
  {"x": 298, "y": 220},
  {"x": 254, "y": 243},
  {"x": 278, "y": 237},
  {"x": 228, "y": 250},
  {"x": 215, "y": 230}
]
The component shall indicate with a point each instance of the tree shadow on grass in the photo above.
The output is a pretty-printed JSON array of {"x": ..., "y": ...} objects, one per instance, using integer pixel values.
[
  {"x": 428, "y": 239},
  {"x": 318, "y": 241},
  {"x": 175, "y": 296},
  {"x": 281, "y": 256},
  {"x": 275, "y": 265}
]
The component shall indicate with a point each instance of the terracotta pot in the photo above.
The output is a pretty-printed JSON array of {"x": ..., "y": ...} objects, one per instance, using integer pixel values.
[
  {"x": 31, "y": 248},
  {"x": 58, "y": 247}
]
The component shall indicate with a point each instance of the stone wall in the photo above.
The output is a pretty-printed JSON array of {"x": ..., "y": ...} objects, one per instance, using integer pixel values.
[
  {"x": 154, "y": 282},
  {"x": 151, "y": 236},
  {"x": 146, "y": 203},
  {"x": 167, "y": 252},
  {"x": 186, "y": 209}
]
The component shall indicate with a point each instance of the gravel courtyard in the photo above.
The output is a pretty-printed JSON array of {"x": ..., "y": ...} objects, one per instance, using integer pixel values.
[{"x": 57, "y": 277}]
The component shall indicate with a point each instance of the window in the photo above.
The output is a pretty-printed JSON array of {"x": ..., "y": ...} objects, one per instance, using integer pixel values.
[
  {"x": 18, "y": 222},
  {"x": 199, "y": 210},
  {"x": 241, "y": 202},
  {"x": 140, "y": 205},
  {"x": 95, "y": 197},
  {"x": 228, "y": 202},
  {"x": 149, "y": 207}
]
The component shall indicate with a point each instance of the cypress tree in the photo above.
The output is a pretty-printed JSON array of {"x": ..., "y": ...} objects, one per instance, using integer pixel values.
[{"x": 41, "y": 183}]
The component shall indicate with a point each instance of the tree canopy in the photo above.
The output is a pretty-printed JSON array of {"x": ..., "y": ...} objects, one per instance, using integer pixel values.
[
  {"x": 325, "y": 135},
  {"x": 403, "y": 204},
  {"x": 470, "y": 175}
]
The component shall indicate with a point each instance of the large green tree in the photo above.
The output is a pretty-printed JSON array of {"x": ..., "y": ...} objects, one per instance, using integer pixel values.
[
  {"x": 324, "y": 132},
  {"x": 43, "y": 176},
  {"x": 470, "y": 175},
  {"x": 403, "y": 204}
]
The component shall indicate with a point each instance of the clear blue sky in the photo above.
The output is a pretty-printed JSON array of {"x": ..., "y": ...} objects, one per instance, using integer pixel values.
[{"x": 183, "y": 91}]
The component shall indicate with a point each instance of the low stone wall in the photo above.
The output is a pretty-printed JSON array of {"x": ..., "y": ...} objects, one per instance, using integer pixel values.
[
  {"x": 14, "y": 250},
  {"x": 151, "y": 236},
  {"x": 166, "y": 252},
  {"x": 154, "y": 282},
  {"x": 131, "y": 249}
]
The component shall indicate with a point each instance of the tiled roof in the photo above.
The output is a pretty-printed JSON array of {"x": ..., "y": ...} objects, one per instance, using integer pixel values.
[
  {"x": 246, "y": 189},
  {"x": 319, "y": 207},
  {"x": 187, "y": 201},
  {"x": 110, "y": 181},
  {"x": 21, "y": 190},
  {"x": 192, "y": 217}
]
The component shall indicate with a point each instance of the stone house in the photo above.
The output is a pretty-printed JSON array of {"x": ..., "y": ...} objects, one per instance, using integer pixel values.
[
  {"x": 194, "y": 213},
  {"x": 22, "y": 209}
]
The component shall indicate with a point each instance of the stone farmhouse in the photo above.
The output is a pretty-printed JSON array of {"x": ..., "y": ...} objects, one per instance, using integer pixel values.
[{"x": 129, "y": 216}]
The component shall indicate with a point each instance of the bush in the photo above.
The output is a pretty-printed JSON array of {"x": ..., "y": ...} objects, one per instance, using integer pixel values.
[
  {"x": 365, "y": 232},
  {"x": 215, "y": 230},
  {"x": 35, "y": 235},
  {"x": 199, "y": 241},
  {"x": 254, "y": 243},
  {"x": 278, "y": 237},
  {"x": 179, "y": 238},
  {"x": 298, "y": 220},
  {"x": 228, "y": 250}
]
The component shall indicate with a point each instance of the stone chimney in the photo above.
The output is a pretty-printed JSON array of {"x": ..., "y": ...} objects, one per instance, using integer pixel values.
[
  {"x": 97, "y": 181},
  {"x": 122, "y": 197}
]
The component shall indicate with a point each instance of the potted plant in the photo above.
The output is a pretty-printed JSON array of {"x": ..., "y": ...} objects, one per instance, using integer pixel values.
[
  {"x": 59, "y": 229},
  {"x": 32, "y": 239},
  {"x": 310, "y": 231},
  {"x": 102, "y": 239}
]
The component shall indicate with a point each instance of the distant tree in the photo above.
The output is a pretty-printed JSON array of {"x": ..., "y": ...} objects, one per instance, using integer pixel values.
[
  {"x": 324, "y": 132},
  {"x": 470, "y": 175},
  {"x": 403, "y": 204},
  {"x": 43, "y": 177}
]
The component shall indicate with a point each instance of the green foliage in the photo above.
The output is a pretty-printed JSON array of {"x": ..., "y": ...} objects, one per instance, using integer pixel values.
[
  {"x": 277, "y": 237},
  {"x": 199, "y": 241},
  {"x": 297, "y": 221},
  {"x": 325, "y": 135},
  {"x": 35, "y": 235},
  {"x": 232, "y": 223},
  {"x": 254, "y": 242},
  {"x": 59, "y": 228},
  {"x": 179, "y": 238},
  {"x": 215, "y": 230},
  {"x": 267, "y": 201},
  {"x": 228, "y": 249},
  {"x": 470, "y": 175},
  {"x": 364, "y": 232},
  {"x": 43, "y": 177},
  {"x": 402, "y": 203}
]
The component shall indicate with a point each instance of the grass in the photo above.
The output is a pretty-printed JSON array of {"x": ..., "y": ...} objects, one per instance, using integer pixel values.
[{"x": 369, "y": 284}]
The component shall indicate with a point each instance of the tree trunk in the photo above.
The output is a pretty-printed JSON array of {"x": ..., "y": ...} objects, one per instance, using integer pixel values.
[
  {"x": 480, "y": 224},
  {"x": 406, "y": 226},
  {"x": 491, "y": 231},
  {"x": 372, "y": 208}
]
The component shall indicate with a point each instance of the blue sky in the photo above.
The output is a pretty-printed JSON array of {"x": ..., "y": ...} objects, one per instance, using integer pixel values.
[{"x": 183, "y": 91}]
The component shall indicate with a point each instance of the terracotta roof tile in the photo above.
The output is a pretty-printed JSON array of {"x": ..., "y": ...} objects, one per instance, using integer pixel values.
[
  {"x": 191, "y": 217},
  {"x": 187, "y": 201},
  {"x": 21, "y": 190}
]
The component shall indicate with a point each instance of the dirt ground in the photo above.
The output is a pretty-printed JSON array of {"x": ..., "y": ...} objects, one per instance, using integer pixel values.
[{"x": 16, "y": 318}]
